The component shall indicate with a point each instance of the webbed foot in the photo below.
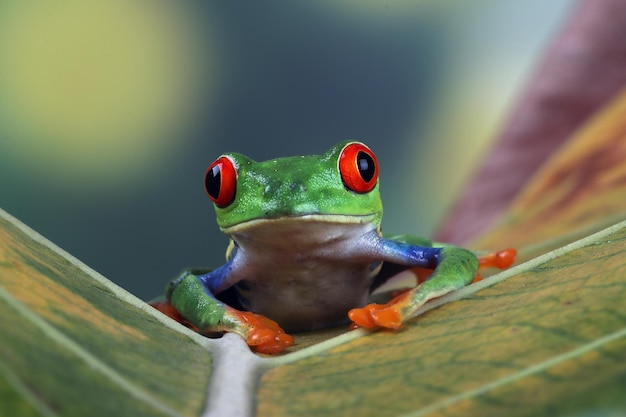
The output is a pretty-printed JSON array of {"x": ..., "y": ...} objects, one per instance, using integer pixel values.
[
  {"x": 390, "y": 315},
  {"x": 501, "y": 259},
  {"x": 262, "y": 334}
]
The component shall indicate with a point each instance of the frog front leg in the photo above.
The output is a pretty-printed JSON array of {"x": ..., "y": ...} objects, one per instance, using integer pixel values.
[
  {"x": 192, "y": 296},
  {"x": 453, "y": 268}
]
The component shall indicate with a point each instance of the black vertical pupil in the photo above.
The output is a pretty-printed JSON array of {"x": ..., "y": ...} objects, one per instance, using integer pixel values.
[
  {"x": 213, "y": 181},
  {"x": 366, "y": 166}
]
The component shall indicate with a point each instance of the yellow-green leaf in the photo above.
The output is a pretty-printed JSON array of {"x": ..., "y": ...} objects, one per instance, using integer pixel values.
[{"x": 74, "y": 343}]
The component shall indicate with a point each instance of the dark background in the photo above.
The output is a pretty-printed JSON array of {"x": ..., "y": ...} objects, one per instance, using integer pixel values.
[{"x": 425, "y": 84}]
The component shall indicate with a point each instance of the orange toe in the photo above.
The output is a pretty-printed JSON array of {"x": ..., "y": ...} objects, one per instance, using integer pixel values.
[
  {"x": 264, "y": 335},
  {"x": 362, "y": 317},
  {"x": 388, "y": 317},
  {"x": 500, "y": 259}
]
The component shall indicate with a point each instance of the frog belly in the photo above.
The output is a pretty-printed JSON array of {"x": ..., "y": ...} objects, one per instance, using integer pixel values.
[
  {"x": 309, "y": 298},
  {"x": 304, "y": 277}
]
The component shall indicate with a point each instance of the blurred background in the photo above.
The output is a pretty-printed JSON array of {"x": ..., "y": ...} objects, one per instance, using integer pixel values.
[{"x": 111, "y": 111}]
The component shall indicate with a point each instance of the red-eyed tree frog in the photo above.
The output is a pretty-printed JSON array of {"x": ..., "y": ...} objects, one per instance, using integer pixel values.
[{"x": 306, "y": 251}]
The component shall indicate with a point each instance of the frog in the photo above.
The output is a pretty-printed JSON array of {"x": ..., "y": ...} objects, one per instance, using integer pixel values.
[{"x": 306, "y": 251}]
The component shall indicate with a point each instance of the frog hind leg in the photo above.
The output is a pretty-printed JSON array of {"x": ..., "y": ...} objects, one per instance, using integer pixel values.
[
  {"x": 453, "y": 268},
  {"x": 194, "y": 305}
]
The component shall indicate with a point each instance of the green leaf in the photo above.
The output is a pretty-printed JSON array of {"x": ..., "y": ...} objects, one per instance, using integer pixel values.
[
  {"x": 73, "y": 342},
  {"x": 533, "y": 335}
]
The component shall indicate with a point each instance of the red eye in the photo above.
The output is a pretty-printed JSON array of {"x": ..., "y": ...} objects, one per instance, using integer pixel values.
[
  {"x": 220, "y": 181},
  {"x": 358, "y": 168}
]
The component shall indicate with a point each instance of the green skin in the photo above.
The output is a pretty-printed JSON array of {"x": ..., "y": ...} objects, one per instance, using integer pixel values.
[{"x": 304, "y": 251}]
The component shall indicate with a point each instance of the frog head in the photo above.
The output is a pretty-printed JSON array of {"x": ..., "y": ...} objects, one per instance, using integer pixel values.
[{"x": 339, "y": 186}]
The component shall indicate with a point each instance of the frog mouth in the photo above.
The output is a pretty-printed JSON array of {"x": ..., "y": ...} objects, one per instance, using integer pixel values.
[{"x": 299, "y": 221}]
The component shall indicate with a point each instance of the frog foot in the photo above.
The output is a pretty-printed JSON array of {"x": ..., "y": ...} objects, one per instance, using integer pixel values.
[
  {"x": 388, "y": 315},
  {"x": 501, "y": 259},
  {"x": 262, "y": 334}
]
